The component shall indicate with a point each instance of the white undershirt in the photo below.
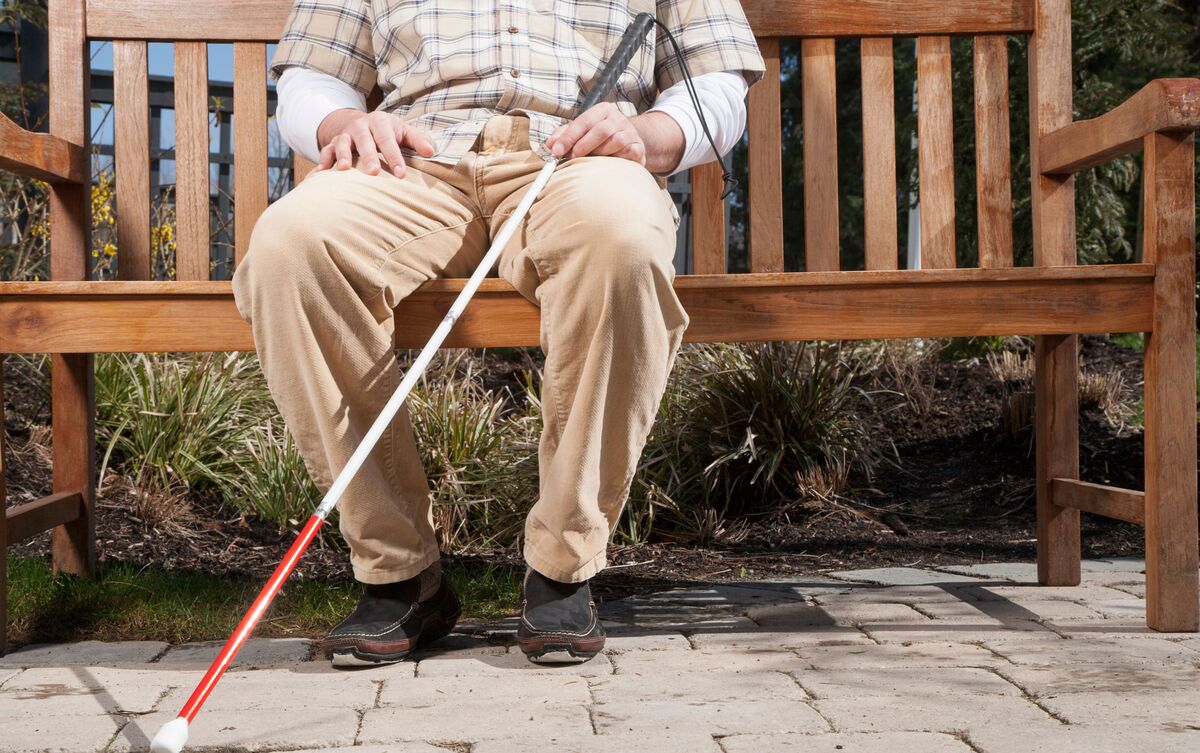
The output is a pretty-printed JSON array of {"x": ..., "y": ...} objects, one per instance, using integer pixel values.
[{"x": 307, "y": 97}]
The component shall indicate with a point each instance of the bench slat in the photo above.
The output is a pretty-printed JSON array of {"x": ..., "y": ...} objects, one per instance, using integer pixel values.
[
  {"x": 935, "y": 137},
  {"x": 766, "y": 171},
  {"x": 708, "y": 221},
  {"x": 993, "y": 179},
  {"x": 879, "y": 153},
  {"x": 263, "y": 20},
  {"x": 820, "y": 155},
  {"x": 301, "y": 167},
  {"x": 191, "y": 161},
  {"x": 249, "y": 140},
  {"x": 789, "y": 306},
  {"x": 131, "y": 148}
]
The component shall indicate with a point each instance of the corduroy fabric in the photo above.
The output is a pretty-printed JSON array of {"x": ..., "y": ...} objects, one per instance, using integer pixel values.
[{"x": 328, "y": 262}]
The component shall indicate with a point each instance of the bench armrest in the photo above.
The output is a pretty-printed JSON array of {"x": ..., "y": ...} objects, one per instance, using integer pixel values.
[
  {"x": 1165, "y": 104},
  {"x": 41, "y": 155}
]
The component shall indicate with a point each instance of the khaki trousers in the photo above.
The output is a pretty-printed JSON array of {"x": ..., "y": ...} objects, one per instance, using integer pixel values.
[{"x": 328, "y": 262}]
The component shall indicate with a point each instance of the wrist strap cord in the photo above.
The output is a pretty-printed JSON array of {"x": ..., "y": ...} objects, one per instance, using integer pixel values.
[{"x": 730, "y": 183}]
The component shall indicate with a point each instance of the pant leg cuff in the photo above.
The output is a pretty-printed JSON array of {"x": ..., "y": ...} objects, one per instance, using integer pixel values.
[
  {"x": 547, "y": 567},
  {"x": 377, "y": 576}
]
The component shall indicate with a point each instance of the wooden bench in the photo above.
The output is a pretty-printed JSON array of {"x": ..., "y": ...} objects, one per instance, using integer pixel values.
[{"x": 1054, "y": 300}]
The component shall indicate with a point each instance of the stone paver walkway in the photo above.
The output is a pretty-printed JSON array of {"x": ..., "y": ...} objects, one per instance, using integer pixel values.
[{"x": 958, "y": 660}]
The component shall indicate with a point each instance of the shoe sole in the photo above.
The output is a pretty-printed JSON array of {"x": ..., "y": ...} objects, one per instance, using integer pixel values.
[
  {"x": 353, "y": 657},
  {"x": 557, "y": 651}
]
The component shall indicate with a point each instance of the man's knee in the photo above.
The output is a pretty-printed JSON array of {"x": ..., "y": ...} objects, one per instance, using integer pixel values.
[
  {"x": 286, "y": 249},
  {"x": 625, "y": 220}
]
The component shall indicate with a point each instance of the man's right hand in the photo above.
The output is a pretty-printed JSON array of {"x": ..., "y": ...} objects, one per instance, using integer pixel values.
[{"x": 375, "y": 136}]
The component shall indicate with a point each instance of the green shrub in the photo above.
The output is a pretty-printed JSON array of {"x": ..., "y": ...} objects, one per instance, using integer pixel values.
[{"x": 744, "y": 430}]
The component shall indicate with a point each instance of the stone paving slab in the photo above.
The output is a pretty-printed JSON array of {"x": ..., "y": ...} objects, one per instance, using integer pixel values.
[
  {"x": 300, "y": 688},
  {"x": 1108, "y": 708},
  {"x": 438, "y": 691},
  {"x": 1005, "y": 612},
  {"x": 811, "y": 615},
  {"x": 955, "y": 632},
  {"x": 697, "y": 687},
  {"x": 743, "y": 715},
  {"x": 904, "y": 681},
  {"x": 625, "y": 638},
  {"x": 902, "y": 576},
  {"x": 916, "y": 655},
  {"x": 754, "y": 638},
  {"x": 1049, "y": 649},
  {"x": 460, "y": 720},
  {"x": 885, "y": 742},
  {"x": 42, "y": 733},
  {"x": 256, "y": 654},
  {"x": 248, "y": 729},
  {"x": 862, "y": 593},
  {"x": 1118, "y": 676},
  {"x": 511, "y": 664},
  {"x": 685, "y": 742},
  {"x": 649, "y": 663},
  {"x": 1071, "y": 739},
  {"x": 84, "y": 691},
  {"x": 393, "y": 748},
  {"x": 1035, "y": 594},
  {"x": 84, "y": 653},
  {"x": 903, "y": 713}
]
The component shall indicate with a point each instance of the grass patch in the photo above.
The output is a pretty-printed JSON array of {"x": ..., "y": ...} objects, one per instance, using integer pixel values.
[{"x": 124, "y": 602}]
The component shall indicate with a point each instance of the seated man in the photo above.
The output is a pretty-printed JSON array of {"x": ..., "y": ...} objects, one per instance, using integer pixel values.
[{"x": 476, "y": 97}]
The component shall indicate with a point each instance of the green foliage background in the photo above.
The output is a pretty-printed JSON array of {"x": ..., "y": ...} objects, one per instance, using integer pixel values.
[{"x": 1119, "y": 46}]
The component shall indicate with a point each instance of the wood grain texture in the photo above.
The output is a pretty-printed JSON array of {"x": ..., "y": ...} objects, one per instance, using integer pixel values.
[
  {"x": 1110, "y": 501},
  {"x": 249, "y": 141},
  {"x": 1172, "y": 587},
  {"x": 3, "y": 522},
  {"x": 31, "y": 518},
  {"x": 886, "y": 18},
  {"x": 1056, "y": 429},
  {"x": 1056, "y": 358},
  {"x": 192, "y": 231},
  {"x": 708, "y": 221},
  {"x": 993, "y": 173},
  {"x": 263, "y": 20},
  {"x": 72, "y": 546},
  {"x": 935, "y": 152},
  {"x": 131, "y": 146},
  {"x": 70, "y": 204},
  {"x": 301, "y": 167},
  {"x": 1167, "y": 104},
  {"x": 72, "y": 421},
  {"x": 212, "y": 20},
  {"x": 169, "y": 316},
  {"x": 765, "y": 166},
  {"x": 41, "y": 156},
  {"x": 821, "y": 229},
  {"x": 879, "y": 153}
]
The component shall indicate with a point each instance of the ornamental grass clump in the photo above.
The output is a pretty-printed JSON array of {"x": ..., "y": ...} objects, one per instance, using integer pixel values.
[{"x": 747, "y": 430}]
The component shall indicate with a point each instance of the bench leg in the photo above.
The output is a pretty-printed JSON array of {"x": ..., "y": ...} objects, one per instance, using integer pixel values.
[
  {"x": 1172, "y": 582},
  {"x": 1056, "y": 440},
  {"x": 3, "y": 525},
  {"x": 72, "y": 395}
]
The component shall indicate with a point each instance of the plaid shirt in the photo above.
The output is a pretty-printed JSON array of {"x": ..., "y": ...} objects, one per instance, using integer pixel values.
[{"x": 446, "y": 66}]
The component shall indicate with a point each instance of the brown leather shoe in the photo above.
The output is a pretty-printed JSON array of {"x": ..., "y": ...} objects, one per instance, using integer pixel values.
[
  {"x": 393, "y": 620},
  {"x": 559, "y": 622}
]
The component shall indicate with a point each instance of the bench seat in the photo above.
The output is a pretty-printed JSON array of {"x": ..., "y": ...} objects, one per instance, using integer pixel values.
[{"x": 136, "y": 316}]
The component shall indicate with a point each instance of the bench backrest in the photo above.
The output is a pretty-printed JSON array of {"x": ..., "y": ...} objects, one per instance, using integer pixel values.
[{"x": 251, "y": 24}]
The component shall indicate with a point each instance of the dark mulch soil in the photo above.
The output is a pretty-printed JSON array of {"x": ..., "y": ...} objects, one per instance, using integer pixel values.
[{"x": 955, "y": 488}]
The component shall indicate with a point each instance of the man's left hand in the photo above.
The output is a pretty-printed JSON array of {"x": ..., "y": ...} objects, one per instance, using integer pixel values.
[{"x": 653, "y": 140}]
